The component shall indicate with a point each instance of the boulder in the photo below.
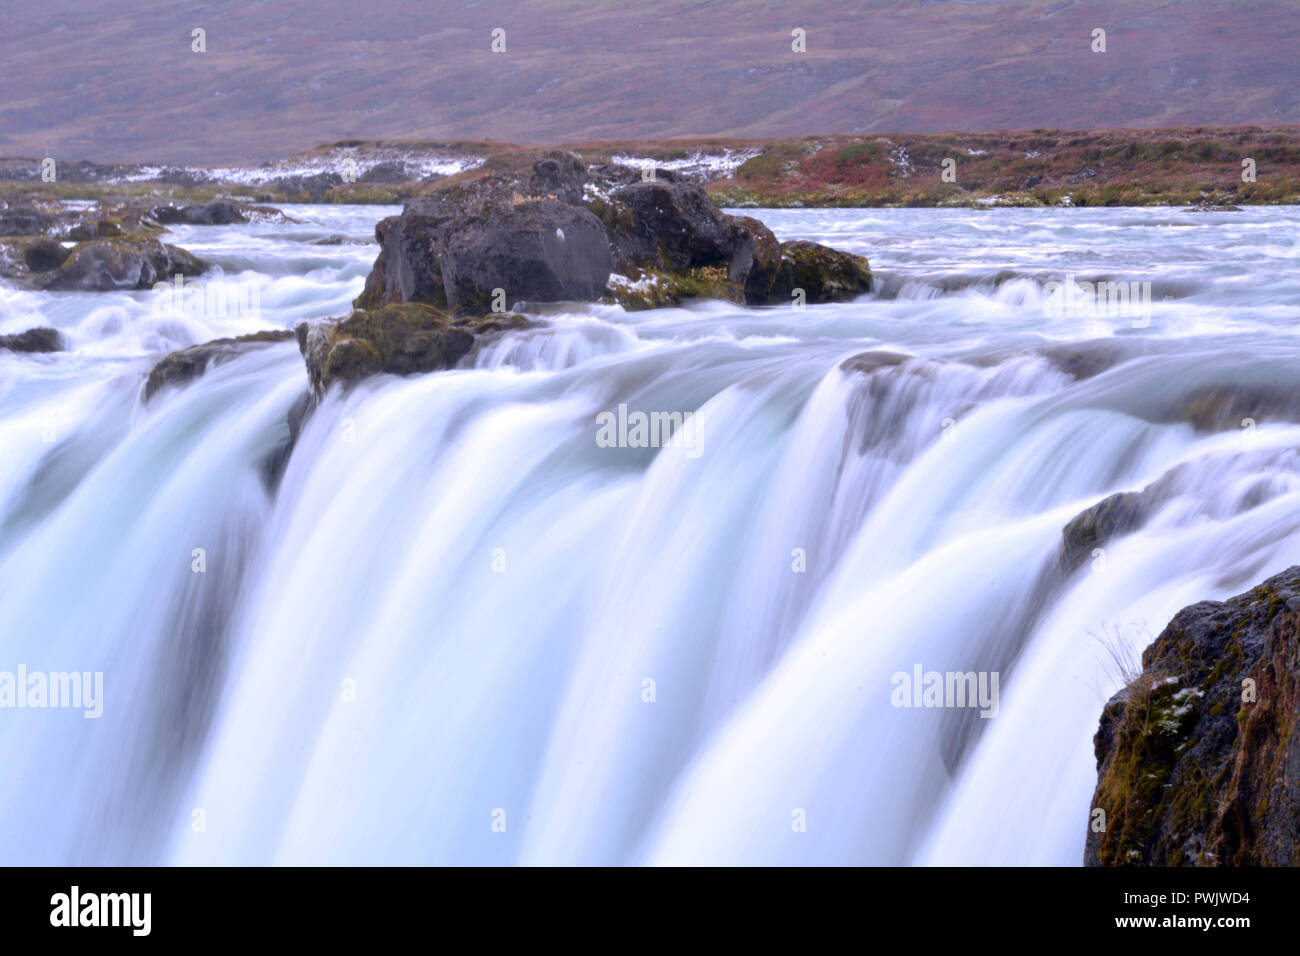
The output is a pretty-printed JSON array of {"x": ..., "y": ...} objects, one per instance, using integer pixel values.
[
  {"x": 310, "y": 188},
  {"x": 107, "y": 264},
  {"x": 498, "y": 235},
  {"x": 399, "y": 338},
  {"x": 34, "y": 340},
  {"x": 824, "y": 274},
  {"x": 219, "y": 212},
  {"x": 183, "y": 366},
  {"x": 386, "y": 172},
  {"x": 42, "y": 255},
  {"x": 456, "y": 247},
  {"x": 1198, "y": 758}
]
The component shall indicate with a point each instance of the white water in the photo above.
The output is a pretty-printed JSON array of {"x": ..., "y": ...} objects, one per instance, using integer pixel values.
[{"x": 351, "y": 681}]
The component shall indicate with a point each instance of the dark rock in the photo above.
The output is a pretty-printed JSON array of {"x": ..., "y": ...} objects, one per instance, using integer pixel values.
[
  {"x": 25, "y": 221},
  {"x": 455, "y": 248},
  {"x": 44, "y": 255},
  {"x": 388, "y": 172},
  {"x": 274, "y": 464},
  {"x": 34, "y": 340},
  {"x": 108, "y": 264},
  {"x": 401, "y": 339},
  {"x": 1115, "y": 516},
  {"x": 306, "y": 188},
  {"x": 1083, "y": 360},
  {"x": 183, "y": 366},
  {"x": 824, "y": 274},
  {"x": 176, "y": 176},
  {"x": 559, "y": 175},
  {"x": 1112, "y": 517},
  {"x": 672, "y": 226},
  {"x": 219, "y": 212},
  {"x": 1198, "y": 758},
  {"x": 483, "y": 240},
  {"x": 1228, "y": 406}
]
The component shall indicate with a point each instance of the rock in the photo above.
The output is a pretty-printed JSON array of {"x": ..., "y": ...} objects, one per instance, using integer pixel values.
[
  {"x": 671, "y": 226},
  {"x": 400, "y": 338},
  {"x": 306, "y": 188},
  {"x": 1231, "y": 405},
  {"x": 501, "y": 234},
  {"x": 107, "y": 264},
  {"x": 540, "y": 240},
  {"x": 387, "y": 172},
  {"x": 25, "y": 221},
  {"x": 219, "y": 212},
  {"x": 559, "y": 175},
  {"x": 455, "y": 248},
  {"x": 42, "y": 255},
  {"x": 1115, "y": 516},
  {"x": 183, "y": 366},
  {"x": 34, "y": 340},
  {"x": 274, "y": 464},
  {"x": 1198, "y": 758},
  {"x": 1112, "y": 517},
  {"x": 824, "y": 274}
]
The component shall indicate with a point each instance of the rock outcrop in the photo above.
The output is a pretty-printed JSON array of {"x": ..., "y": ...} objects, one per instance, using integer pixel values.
[
  {"x": 34, "y": 340},
  {"x": 46, "y": 245},
  {"x": 562, "y": 234},
  {"x": 183, "y": 366},
  {"x": 475, "y": 245},
  {"x": 1198, "y": 758},
  {"x": 401, "y": 339},
  {"x": 103, "y": 265},
  {"x": 219, "y": 212}
]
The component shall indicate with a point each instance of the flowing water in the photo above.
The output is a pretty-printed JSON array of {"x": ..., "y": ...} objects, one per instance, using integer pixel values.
[{"x": 457, "y": 628}]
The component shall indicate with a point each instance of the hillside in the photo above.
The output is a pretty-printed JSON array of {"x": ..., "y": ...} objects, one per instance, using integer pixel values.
[{"x": 120, "y": 81}]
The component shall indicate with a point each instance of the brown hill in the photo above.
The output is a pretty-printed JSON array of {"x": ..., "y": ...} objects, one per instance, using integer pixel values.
[{"x": 112, "y": 81}]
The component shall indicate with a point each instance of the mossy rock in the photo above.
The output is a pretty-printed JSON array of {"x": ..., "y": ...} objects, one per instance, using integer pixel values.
[
  {"x": 401, "y": 339},
  {"x": 1198, "y": 758}
]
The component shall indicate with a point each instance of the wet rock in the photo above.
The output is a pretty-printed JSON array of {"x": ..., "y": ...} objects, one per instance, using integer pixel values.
[
  {"x": 107, "y": 264},
  {"x": 219, "y": 212},
  {"x": 275, "y": 463},
  {"x": 822, "y": 273},
  {"x": 400, "y": 339},
  {"x": 1231, "y": 406},
  {"x": 455, "y": 248},
  {"x": 183, "y": 366},
  {"x": 1115, "y": 516},
  {"x": 1084, "y": 360},
  {"x": 1198, "y": 758},
  {"x": 34, "y": 340}
]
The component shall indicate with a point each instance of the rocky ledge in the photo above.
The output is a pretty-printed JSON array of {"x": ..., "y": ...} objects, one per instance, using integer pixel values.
[
  {"x": 458, "y": 258},
  {"x": 45, "y": 245},
  {"x": 1198, "y": 758}
]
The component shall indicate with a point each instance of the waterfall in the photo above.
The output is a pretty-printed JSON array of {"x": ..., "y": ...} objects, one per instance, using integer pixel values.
[{"x": 457, "y": 629}]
